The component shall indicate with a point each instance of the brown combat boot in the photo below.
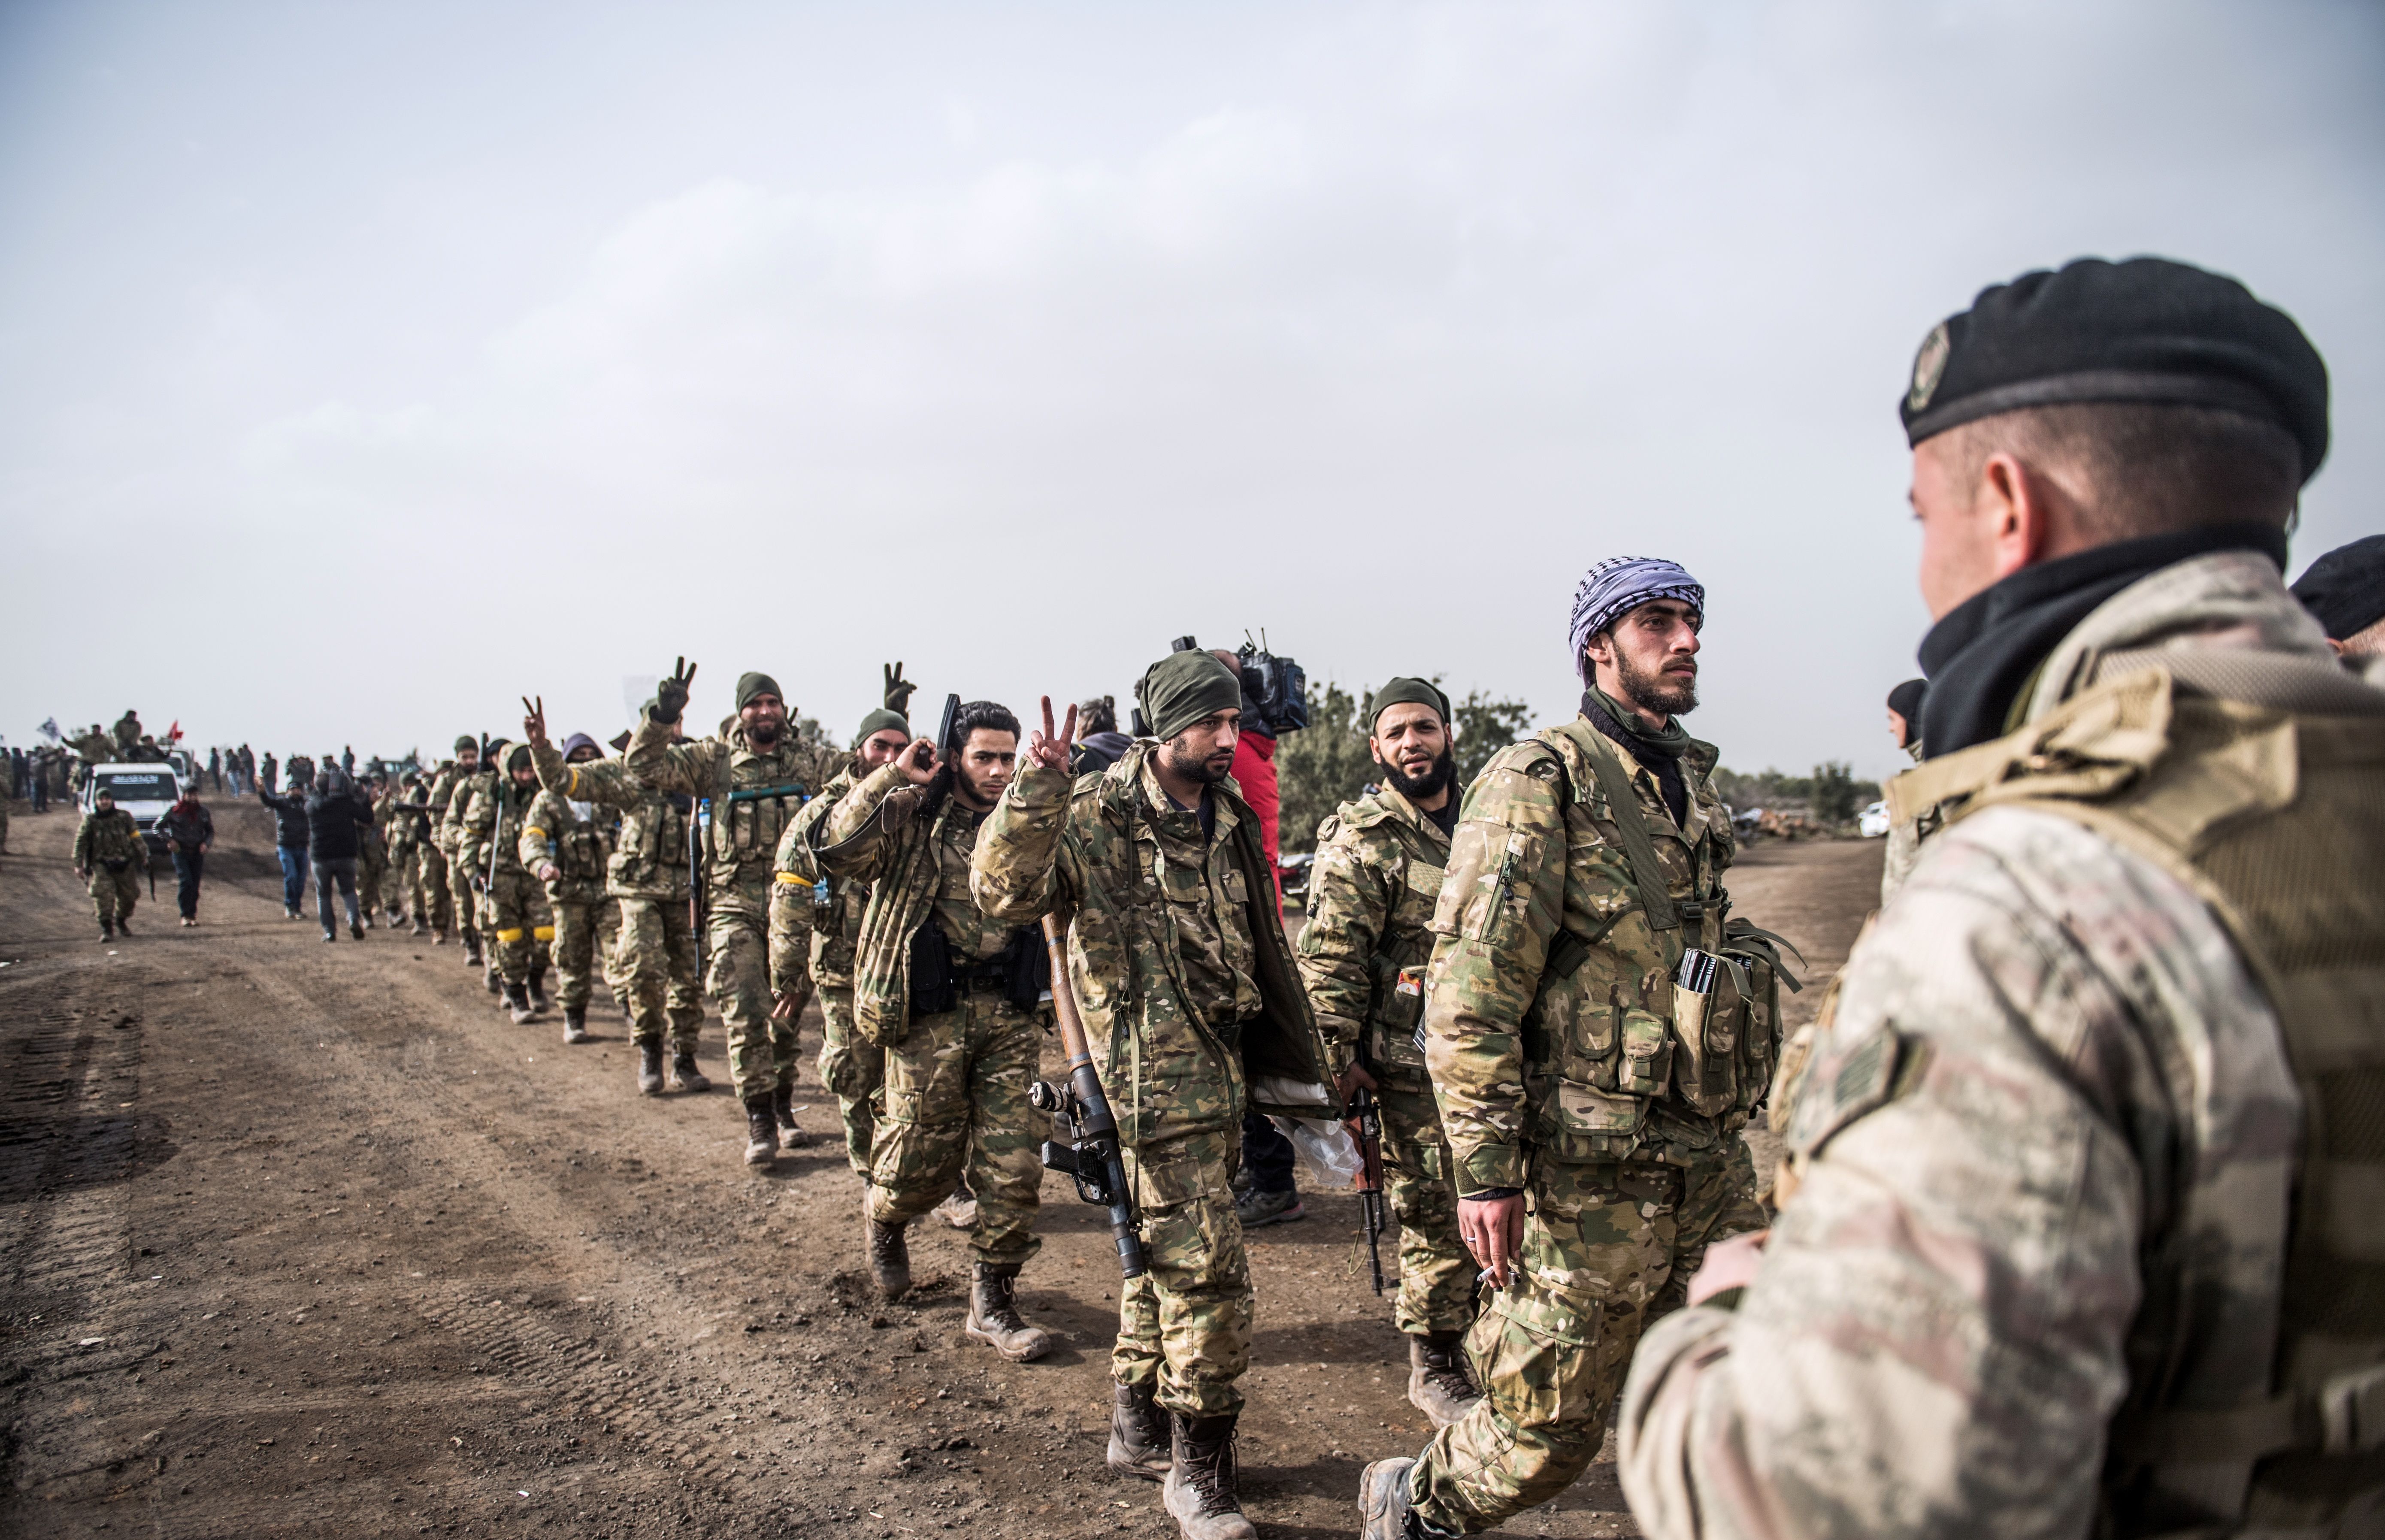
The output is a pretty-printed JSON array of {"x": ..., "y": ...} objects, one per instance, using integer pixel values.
[
  {"x": 993, "y": 1317},
  {"x": 889, "y": 1257},
  {"x": 1200, "y": 1491},
  {"x": 1138, "y": 1432},
  {"x": 783, "y": 1107},
  {"x": 1383, "y": 1501},
  {"x": 761, "y": 1133},
  {"x": 1439, "y": 1386}
]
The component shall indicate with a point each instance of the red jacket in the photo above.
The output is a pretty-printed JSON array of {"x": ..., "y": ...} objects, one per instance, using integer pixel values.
[{"x": 1255, "y": 772}]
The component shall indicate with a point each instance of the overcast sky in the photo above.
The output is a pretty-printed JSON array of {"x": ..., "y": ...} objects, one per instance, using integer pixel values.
[{"x": 365, "y": 366}]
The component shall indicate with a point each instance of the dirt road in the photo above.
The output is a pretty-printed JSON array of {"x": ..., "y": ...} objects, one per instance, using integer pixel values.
[{"x": 301, "y": 1239}]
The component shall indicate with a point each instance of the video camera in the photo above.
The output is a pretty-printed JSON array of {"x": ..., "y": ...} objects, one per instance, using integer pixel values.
[{"x": 1276, "y": 687}]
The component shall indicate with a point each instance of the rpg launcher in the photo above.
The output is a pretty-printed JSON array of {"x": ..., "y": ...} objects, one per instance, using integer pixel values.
[{"x": 1090, "y": 1153}]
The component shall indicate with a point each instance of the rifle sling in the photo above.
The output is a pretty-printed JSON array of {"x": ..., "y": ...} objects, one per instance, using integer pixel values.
[{"x": 1632, "y": 822}]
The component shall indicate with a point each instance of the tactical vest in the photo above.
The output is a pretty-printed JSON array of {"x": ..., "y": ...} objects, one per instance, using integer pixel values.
[
  {"x": 1395, "y": 970},
  {"x": 1706, "y": 1035},
  {"x": 740, "y": 825},
  {"x": 2258, "y": 781}
]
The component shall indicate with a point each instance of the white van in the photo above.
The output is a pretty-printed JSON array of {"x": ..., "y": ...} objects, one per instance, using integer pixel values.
[{"x": 143, "y": 790}]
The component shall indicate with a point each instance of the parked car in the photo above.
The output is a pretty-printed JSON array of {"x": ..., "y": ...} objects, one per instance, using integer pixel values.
[
  {"x": 1293, "y": 870},
  {"x": 143, "y": 790},
  {"x": 1872, "y": 823}
]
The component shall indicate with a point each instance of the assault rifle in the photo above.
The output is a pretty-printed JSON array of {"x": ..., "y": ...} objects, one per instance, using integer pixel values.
[
  {"x": 1366, "y": 1127},
  {"x": 699, "y": 824},
  {"x": 1090, "y": 1154}
]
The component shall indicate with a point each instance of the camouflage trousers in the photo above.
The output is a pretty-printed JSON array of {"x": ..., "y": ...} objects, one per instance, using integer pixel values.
[
  {"x": 1436, "y": 1273},
  {"x": 519, "y": 925},
  {"x": 433, "y": 904},
  {"x": 459, "y": 888},
  {"x": 584, "y": 934},
  {"x": 1608, "y": 1247},
  {"x": 113, "y": 894},
  {"x": 1185, "y": 1326},
  {"x": 761, "y": 1049},
  {"x": 853, "y": 1068},
  {"x": 662, "y": 971},
  {"x": 956, "y": 1099},
  {"x": 396, "y": 894},
  {"x": 372, "y": 870}
]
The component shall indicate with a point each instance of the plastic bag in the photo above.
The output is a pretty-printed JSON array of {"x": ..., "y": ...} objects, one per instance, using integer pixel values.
[{"x": 1324, "y": 1146}]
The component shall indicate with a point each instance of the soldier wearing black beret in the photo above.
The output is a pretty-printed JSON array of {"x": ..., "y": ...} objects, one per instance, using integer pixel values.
[{"x": 2344, "y": 591}]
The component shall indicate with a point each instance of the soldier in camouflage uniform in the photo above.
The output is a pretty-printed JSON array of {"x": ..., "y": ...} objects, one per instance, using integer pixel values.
[
  {"x": 951, "y": 998},
  {"x": 646, "y": 876},
  {"x": 568, "y": 844},
  {"x": 821, "y": 913},
  {"x": 1179, "y": 961},
  {"x": 372, "y": 853},
  {"x": 107, "y": 847},
  {"x": 407, "y": 833},
  {"x": 1371, "y": 896},
  {"x": 518, "y": 923},
  {"x": 2078, "y": 1230},
  {"x": 449, "y": 793},
  {"x": 747, "y": 785},
  {"x": 1587, "y": 865}
]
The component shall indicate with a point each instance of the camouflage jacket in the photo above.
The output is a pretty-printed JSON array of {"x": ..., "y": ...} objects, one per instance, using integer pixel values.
[
  {"x": 741, "y": 835},
  {"x": 1371, "y": 896},
  {"x": 813, "y": 912},
  {"x": 450, "y": 794},
  {"x": 404, "y": 827},
  {"x": 577, "y": 837},
  {"x": 488, "y": 835},
  {"x": 1163, "y": 921},
  {"x": 2047, "y": 1091},
  {"x": 1549, "y": 1000},
  {"x": 108, "y": 839},
  {"x": 649, "y": 851},
  {"x": 915, "y": 865}
]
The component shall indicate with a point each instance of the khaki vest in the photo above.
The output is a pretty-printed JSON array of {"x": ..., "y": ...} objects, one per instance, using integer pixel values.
[{"x": 2257, "y": 779}]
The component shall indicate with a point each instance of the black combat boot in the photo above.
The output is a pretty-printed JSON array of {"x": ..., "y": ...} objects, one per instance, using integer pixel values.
[
  {"x": 1138, "y": 1432},
  {"x": 994, "y": 1316},
  {"x": 783, "y": 1107},
  {"x": 650, "y": 1069},
  {"x": 538, "y": 1000},
  {"x": 471, "y": 948},
  {"x": 685, "y": 1075},
  {"x": 1200, "y": 1491},
  {"x": 890, "y": 1256},
  {"x": 761, "y": 1132},
  {"x": 108, "y": 930},
  {"x": 496, "y": 981},
  {"x": 575, "y": 1023},
  {"x": 1384, "y": 1512},
  {"x": 1439, "y": 1386},
  {"x": 518, "y": 1002}
]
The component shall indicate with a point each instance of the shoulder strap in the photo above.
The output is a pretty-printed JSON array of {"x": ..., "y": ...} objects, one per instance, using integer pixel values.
[{"x": 1632, "y": 822}]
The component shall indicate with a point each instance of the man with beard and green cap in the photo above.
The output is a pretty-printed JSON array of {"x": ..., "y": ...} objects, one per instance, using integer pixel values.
[
  {"x": 820, "y": 913},
  {"x": 1371, "y": 896},
  {"x": 489, "y": 843},
  {"x": 1593, "y": 1109},
  {"x": 747, "y": 785},
  {"x": 1189, "y": 992},
  {"x": 567, "y": 843}
]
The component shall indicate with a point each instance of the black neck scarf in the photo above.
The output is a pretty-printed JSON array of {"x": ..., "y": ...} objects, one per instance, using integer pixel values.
[
  {"x": 1984, "y": 651},
  {"x": 1658, "y": 752}
]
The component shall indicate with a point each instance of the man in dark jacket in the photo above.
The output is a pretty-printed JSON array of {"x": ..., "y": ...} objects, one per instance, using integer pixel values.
[
  {"x": 289, "y": 837},
  {"x": 188, "y": 829},
  {"x": 334, "y": 814}
]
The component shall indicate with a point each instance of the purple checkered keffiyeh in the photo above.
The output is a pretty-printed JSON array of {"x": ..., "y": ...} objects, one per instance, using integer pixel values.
[{"x": 1621, "y": 583}]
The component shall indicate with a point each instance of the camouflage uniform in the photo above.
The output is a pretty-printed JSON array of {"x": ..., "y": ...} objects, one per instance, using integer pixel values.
[
  {"x": 1563, "y": 1073},
  {"x": 1371, "y": 896},
  {"x": 956, "y": 1081},
  {"x": 1190, "y": 996},
  {"x": 646, "y": 875},
  {"x": 108, "y": 845},
  {"x": 2083, "y": 1236},
  {"x": 741, "y": 840},
  {"x": 487, "y": 844},
  {"x": 449, "y": 796},
  {"x": 811, "y": 909},
  {"x": 372, "y": 861},
  {"x": 587, "y": 921}
]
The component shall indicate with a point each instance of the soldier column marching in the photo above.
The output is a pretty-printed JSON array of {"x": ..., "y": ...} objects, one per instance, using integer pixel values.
[
  {"x": 568, "y": 846},
  {"x": 1584, "y": 876},
  {"x": 513, "y": 903},
  {"x": 1371, "y": 896},
  {"x": 449, "y": 793},
  {"x": 1179, "y": 966}
]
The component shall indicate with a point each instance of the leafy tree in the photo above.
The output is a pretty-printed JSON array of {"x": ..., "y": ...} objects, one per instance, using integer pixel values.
[
  {"x": 1485, "y": 725},
  {"x": 1838, "y": 795}
]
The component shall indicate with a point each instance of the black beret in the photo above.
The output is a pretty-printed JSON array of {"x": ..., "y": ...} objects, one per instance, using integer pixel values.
[
  {"x": 2345, "y": 590},
  {"x": 2146, "y": 329},
  {"x": 1905, "y": 700}
]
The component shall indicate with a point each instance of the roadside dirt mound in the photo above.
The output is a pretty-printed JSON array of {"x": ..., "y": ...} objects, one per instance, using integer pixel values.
[{"x": 302, "y": 1239}]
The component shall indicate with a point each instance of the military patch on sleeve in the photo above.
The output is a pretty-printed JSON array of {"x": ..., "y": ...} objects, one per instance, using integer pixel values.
[{"x": 1848, "y": 1084}]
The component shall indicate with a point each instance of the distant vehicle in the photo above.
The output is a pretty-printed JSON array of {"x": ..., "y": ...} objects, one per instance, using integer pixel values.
[
  {"x": 1293, "y": 870},
  {"x": 1872, "y": 823},
  {"x": 143, "y": 790},
  {"x": 1745, "y": 820}
]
